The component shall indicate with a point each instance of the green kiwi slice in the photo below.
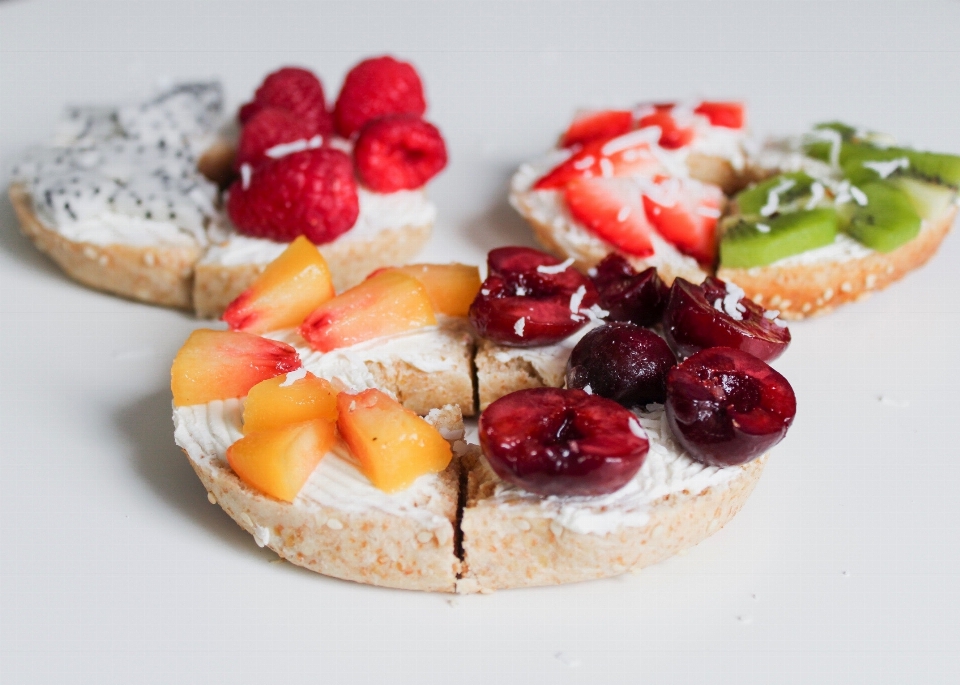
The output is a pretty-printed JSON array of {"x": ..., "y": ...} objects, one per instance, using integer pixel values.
[
  {"x": 931, "y": 200},
  {"x": 792, "y": 189},
  {"x": 887, "y": 220},
  {"x": 927, "y": 166},
  {"x": 750, "y": 243}
]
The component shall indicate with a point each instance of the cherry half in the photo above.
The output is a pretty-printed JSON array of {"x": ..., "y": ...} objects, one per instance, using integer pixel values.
[
  {"x": 528, "y": 299},
  {"x": 726, "y": 407},
  {"x": 698, "y": 317},
  {"x": 623, "y": 362},
  {"x": 552, "y": 441},
  {"x": 630, "y": 296}
]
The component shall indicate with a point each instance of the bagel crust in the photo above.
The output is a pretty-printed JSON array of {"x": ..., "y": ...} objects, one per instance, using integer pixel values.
[{"x": 803, "y": 290}]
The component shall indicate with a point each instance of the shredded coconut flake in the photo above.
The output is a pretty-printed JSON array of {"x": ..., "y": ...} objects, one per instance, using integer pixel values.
[
  {"x": 887, "y": 168},
  {"x": 584, "y": 163},
  {"x": 709, "y": 212},
  {"x": 245, "y": 173},
  {"x": 606, "y": 167},
  {"x": 859, "y": 196},
  {"x": 636, "y": 428},
  {"x": 293, "y": 377},
  {"x": 284, "y": 149},
  {"x": 577, "y": 299},
  {"x": 556, "y": 268},
  {"x": 587, "y": 389},
  {"x": 773, "y": 197},
  {"x": 623, "y": 214},
  {"x": 763, "y": 228},
  {"x": 518, "y": 326},
  {"x": 816, "y": 195}
]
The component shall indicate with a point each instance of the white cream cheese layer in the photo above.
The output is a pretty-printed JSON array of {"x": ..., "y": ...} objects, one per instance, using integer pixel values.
[
  {"x": 378, "y": 212},
  {"x": 205, "y": 431},
  {"x": 667, "y": 470}
]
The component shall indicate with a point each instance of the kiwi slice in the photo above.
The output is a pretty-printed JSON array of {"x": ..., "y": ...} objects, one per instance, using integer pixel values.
[
  {"x": 749, "y": 243},
  {"x": 887, "y": 220},
  {"x": 927, "y": 166},
  {"x": 795, "y": 188},
  {"x": 931, "y": 200}
]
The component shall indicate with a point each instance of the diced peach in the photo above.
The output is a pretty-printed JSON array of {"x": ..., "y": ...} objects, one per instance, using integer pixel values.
[
  {"x": 278, "y": 462},
  {"x": 280, "y": 401},
  {"x": 394, "y": 445},
  {"x": 450, "y": 287},
  {"x": 292, "y": 286},
  {"x": 385, "y": 304},
  {"x": 217, "y": 365}
]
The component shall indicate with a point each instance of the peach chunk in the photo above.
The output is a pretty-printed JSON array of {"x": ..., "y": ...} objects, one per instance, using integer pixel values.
[
  {"x": 278, "y": 462},
  {"x": 394, "y": 445},
  {"x": 217, "y": 365},
  {"x": 451, "y": 287},
  {"x": 293, "y": 398},
  {"x": 292, "y": 286},
  {"x": 385, "y": 304}
]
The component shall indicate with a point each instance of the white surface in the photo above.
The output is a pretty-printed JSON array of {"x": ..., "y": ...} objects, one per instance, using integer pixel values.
[{"x": 841, "y": 568}]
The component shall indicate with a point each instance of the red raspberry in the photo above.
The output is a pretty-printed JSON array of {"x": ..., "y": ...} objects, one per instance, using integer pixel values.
[
  {"x": 310, "y": 193},
  {"x": 377, "y": 87},
  {"x": 296, "y": 90},
  {"x": 265, "y": 129},
  {"x": 398, "y": 153}
]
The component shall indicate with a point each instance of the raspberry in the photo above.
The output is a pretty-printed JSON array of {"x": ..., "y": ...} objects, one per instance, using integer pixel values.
[
  {"x": 310, "y": 193},
  {"x": 375, "y": 88},
  {"x": 265, "y": 129},
  {"x": 398, "y": 152},
  {"x": 296, "y": 90}
]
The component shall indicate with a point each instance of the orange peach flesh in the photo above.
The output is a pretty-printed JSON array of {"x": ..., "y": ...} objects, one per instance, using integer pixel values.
[
  {"x": 393, "y": 445},
  {"x": 280, "y": 401},
  {"x": 217, "y": 365},
  {"x": 292, "y": 286},
  {"x": 450, "y": 287}
]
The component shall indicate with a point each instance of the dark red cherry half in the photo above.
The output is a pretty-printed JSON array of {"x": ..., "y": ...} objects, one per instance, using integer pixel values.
[
  {"x": 623, "y": 362},
  {"x": 562, "y": 442},
  {"x": 630, "y": 296},
  {"x": 528, "y": 300},
  {"x": 697, "y": 317},
  {"x": 726, "y": 407}
]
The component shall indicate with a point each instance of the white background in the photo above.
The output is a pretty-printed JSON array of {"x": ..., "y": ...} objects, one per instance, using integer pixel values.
[{"x": 842, "y": 568}]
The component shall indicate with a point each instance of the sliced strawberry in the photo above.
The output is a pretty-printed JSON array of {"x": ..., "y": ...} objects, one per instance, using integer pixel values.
[
  {"x": 672, "y": 136},
  {"x": 592, "y": 126},
  {"x": 625, "y": 155},
  {"x": 725, "y": 114},
  {"x": 611, "y": 209},
  {"x": 685, "y": 212}
]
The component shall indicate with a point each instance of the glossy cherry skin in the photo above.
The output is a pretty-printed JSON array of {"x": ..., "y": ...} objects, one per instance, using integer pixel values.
[
  {"x": 726, "y": 407},
  {"x": 692, "y": 322},
  {"x": 630, "y": 296},
  {"x": 623, "y": 362},
  {"x": 552, "y": 441},
  {"x": 549, "y": 304}
]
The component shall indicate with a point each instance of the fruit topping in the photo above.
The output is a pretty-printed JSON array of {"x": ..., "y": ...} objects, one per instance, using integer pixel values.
[
  {"x": 623, "y": 362},
  {"x": 393, "y": 445},
  {"x": 627, "y": 295},
  {"x": 292, "y": 398},
  {"x": 592, "y": 126},
  {"x": 611, "y": 209},
  {"x": 760, "y": 241},
  {"x": 386, "y": 304},
  {"x": 218, "y": 365},
  {"x": 530, "y": 298},
  {"x": 726, "y": 407},
  {"x": 779, "y": 194},
  {"x": 310, "y": 193},
  {"x": 278, "y": 462},
  {"x": 626, "y": 155},
  {"x": 378, "y": 87},
  {"x": 717, "y": 314},
  {"x": 672, "y": 136},
  {"x": 267, "y": 129},
  {"x": 685, "y": 212},
  {"x": 450, "y": 287},
  {"x": 297, "y": 91},
  {"x": 883, "y": 218},
  {"x": 398, "y": 152},
  {"x": 551, "y": 441},
  {"x": 292, "y": 286},
  {"x": 724, "y": 114}
]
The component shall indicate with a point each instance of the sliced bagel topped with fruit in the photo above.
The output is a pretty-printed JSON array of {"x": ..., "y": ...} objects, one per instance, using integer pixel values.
[{"x": 829, "y": 217}]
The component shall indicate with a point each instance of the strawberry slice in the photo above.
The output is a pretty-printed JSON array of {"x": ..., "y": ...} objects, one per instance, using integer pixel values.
[
  {"x": 685, "y": 212},
  {"x": 592, "y": 126},
  {"x": 725, "y": 114},
  {"x": 610, "y": 209},
  {"x": 625, "y": 155},
  {"x": 672, "y": 136}
]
